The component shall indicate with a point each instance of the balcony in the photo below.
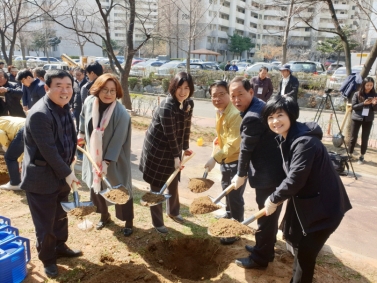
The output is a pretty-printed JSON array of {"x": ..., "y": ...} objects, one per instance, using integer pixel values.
[{"x": 298, "y": 43}]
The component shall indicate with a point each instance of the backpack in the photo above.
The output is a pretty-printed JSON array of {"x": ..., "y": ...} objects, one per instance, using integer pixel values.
[{"x": 340, "y": 163}]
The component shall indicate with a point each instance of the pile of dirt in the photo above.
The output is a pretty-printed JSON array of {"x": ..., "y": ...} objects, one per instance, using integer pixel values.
[
  {"x": 150, "y": 198},
  {"x": 4, "y": 176},
  {"x": 119, "y": 195},
  {"x": 82, "y": 211},
  {"x": 203, "y": 205},
  {"x": 199, "y": 185},
  {"x": 229, "y": 228}
]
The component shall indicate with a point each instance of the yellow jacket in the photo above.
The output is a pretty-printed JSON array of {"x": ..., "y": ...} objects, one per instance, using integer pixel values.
[
  {"x": 9, "y": 126},
  {"x": 228, "y": 134}
]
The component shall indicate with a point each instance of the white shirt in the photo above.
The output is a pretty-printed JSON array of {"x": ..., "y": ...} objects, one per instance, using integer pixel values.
[{"x": 284, "y": 84}]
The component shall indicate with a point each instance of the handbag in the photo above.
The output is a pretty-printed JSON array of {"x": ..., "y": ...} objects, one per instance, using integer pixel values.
[{"x": 340, "y": 163}]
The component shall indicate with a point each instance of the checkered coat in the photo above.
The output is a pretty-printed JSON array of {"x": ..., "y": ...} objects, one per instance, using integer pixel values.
[{"x": 167, "y": 136}]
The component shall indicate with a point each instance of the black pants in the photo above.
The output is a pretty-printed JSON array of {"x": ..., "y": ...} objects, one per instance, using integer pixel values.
[
  {"x": 365, "y": 132},
  {"x": 306, "y": 255},
  {"x": 265, "y": 237},
  {"x": 124, "y": 212},
  {"x": 50, "y": 221},
  {"x": 234, "y": 200},
  {"x": 172, "y": 204}
]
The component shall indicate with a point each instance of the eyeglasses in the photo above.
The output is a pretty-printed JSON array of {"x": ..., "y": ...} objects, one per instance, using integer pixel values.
[{"x": 106, "y": 91}]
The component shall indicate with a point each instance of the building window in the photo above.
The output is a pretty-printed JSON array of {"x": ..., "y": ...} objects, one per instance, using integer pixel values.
[
  {"x": 239, "y": 21},
  {"x": 224, "y": 28},
  {"x": 226, "y": 4},
  {"x": 310, "y": 10},
  {"x": 307, "y": 29},
  {"x": 241, "y": 10}
]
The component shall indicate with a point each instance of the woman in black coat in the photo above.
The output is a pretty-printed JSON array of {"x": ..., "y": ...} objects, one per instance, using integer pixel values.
[
  {"x": 364, "y": 103},
  {"x": 167, "y": 136},
  {"x": 317, "y": 200}
]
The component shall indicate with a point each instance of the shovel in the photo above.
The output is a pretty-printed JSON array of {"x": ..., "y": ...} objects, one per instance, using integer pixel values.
[
  {"x": 68, "y": 206},
  {"x": 171, "y": 178},
  {"x": 337, "y": 140},
  {"x": 108, "y": 184}
]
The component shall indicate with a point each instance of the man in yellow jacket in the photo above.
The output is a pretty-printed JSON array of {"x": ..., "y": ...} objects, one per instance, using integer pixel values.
[
  {"x": 228, "y": 121},
  {"x": 12, "y": 142}
]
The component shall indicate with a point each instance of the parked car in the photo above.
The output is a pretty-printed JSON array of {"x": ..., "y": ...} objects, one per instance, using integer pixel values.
[
  {"x": 40, "y": 61},
  {"x": 251, "y": 70},
  {"x": 333, "y": 67},
  {"x": 242, "y": 66},
  {"x": 339, "y": 75},
  {"x": 328, "y": 62},
  {"x": 303, "y": 66},
  {"x": 170, "y": 69},
  {"x": 320, "y": 68},
  {"x": 143, "y": 69},
  {"x": 62, "y": 66},
  {"x": 276, "y": 63},
  {"x": 194, "y": 67},
  {"x": 19, "y": 58}
]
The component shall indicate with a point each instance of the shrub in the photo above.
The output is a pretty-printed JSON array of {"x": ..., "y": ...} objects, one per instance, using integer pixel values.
[
  {"x": 132, "y": 82},
  {"x": 165, "y": 85},
  {"x": 146, "y": 81}
]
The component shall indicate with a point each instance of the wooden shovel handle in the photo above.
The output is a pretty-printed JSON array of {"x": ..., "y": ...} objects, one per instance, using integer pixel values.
[
  {"x": 224, "y": 193},
  {"x": 184, "y": 160},
  {"x": 89, "y": 157}
]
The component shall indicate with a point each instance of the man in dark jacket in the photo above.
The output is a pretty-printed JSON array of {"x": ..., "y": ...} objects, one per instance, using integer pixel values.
[
  {"x": 227, "y": 66},
  {"x": 76, "y": 103},
  {"x": 12, "y": 95},
  {"x": 33, "y": 89},
  {"x": 50, "y": 143},
  {"x": 93, "y": 71},
  {"x": 261, "y": 160},
  {"x": 289, "y": 84},
  {"x": 262, "y": 85}
]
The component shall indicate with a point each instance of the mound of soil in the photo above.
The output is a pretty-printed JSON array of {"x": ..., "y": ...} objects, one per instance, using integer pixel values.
[
  {"x": 82, "y": 211},
  {"x": 203, "y": 205},
  {"x": 229, "y": 228},
  {"x": 4, "y": 176},
  {"x": 190, "y": 258},
  {"x": 150, "y": 198},
  {"x": 119, "y": 195},
  {"x": 199, "y": 185}
]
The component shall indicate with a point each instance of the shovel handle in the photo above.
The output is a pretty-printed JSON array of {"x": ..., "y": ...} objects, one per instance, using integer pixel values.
[
  {"x": 257, "y": 215},
  {"x": 205, "y": 173},
  {"x": 175, "y": 173},
  {"x": 224, "y": 193}
]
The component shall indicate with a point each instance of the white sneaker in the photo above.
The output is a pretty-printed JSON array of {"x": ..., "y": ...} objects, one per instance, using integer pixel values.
[{"x": 8, "y": 186}]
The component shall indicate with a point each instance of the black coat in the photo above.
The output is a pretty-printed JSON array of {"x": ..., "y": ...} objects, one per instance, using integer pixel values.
[
  {"x": 12, "y": 105},
  {"x": 167, "y": 136},
  {"x": 358, "y": 106},
  {"x": 312, "y": 185},
  {"x": 291, "y": 89},
  {"x": 259, "y": 155}
]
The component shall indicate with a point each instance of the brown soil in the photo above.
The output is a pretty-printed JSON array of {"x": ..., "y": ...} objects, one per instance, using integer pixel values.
[
  {"x": 199, "y": 185},
  {"x": 203, "y": 205},
  {"x": 4, "y": 177},
  {"x": 82, "y": 211},
  {"x": 119, "y": 195},
  {"x": 151, "y": 198},
  {"x": 229, "y": 228}
]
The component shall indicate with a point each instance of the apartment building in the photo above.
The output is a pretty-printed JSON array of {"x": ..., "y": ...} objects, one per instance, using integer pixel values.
[{"x": 264, "y": 22}]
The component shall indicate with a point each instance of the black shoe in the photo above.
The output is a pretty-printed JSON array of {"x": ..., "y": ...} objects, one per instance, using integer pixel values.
[
  {"x": 225, "y": 215},
  {"x": 250, "y": 249},
  {"x": 248, "y": 263},
  {"x": 179, "y": 219},
  {"x": 228, "y": 241},
  {"x": 64, "y": 251},
  {"x": 127, "y": 232},
  {"x": 51, "y": 270},
  {"x": 102, "y": 223}
]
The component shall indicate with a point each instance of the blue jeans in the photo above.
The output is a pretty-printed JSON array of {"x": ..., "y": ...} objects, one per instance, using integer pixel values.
[{"x": 15, "y": 149}]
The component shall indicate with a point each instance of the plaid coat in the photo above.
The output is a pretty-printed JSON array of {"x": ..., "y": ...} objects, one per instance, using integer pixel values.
[{"x": 167, "y": 136}]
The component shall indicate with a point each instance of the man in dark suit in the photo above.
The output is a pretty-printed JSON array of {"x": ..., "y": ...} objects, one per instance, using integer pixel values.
[
  {"x": 50, "y": 143},
  {"x": 12, "y": 94},
  {"x": 33, "y": 89},
  {"x": 260, "y": 159},
  {"x": 289, "y": 84}
]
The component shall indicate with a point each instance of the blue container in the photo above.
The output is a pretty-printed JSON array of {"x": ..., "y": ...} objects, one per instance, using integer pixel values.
[
  {"x": 4, "y": 221},
  {"x": 7, "y": 233},
  {"x": 14, "y": 256}
]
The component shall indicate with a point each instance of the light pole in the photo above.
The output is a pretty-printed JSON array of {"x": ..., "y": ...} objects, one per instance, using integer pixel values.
[{"x": 362, "y": 46}]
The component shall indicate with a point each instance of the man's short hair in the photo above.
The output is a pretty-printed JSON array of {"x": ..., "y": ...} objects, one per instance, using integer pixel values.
[
  {"x": 53, "y": 74},
  {"x": 2, "y": 63},
  {"x": 217, "y": 84},
  {"x": 79, "y": 69},
  {"x": 245, "y": 82},
  {"x": 40, "y": 73},
  {"x": 23, "y": 74},
  {"x": 263, "y": 68},
  {"x": 95, "y": 67}
]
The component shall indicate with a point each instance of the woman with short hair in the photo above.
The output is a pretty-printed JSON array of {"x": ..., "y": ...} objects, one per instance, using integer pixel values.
[
  {"x": 167, "y": 136},
  {"x": 105, "y": 126}
]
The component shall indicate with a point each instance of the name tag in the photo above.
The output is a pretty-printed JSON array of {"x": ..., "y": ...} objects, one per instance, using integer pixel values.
[
  {"x": 365, "y": 111},
  {"x": 260, "y": 90}
]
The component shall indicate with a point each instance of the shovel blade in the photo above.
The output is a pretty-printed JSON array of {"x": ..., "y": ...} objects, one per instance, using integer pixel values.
[
  {"x": 104, "y": 192},
  {"x": 68, "y": 206},
  {"x": 144, "y": 203},
  {"x": 218, "y": 203}
]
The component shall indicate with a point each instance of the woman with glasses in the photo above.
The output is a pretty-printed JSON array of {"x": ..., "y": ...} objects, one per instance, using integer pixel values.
[{"x": 105, "y": 127}]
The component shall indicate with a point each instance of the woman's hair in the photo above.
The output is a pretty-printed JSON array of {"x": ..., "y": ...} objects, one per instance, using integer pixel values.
[
  {"x": 362, "y": 95},
  {"x": 100, "y": 84},
  {"x": 178, "y": 80},
  {"x": 278, "y": 102}
]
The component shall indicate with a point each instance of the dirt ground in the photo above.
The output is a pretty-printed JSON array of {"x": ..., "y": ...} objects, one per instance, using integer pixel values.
[{"x": 186, "y": 254}]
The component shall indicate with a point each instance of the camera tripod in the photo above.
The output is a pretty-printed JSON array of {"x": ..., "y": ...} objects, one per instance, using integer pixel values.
[{"x": 325, "y": 98}]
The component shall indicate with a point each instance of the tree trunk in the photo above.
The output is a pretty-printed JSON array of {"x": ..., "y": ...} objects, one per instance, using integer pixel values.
[
  {"x": 81, "y": 49},
  {"x": 369, "y": 62},
  {"x": 286, "y": 32}
]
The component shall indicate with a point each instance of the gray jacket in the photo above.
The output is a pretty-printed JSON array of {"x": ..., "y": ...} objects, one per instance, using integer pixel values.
[{"x": 116, "y": 145}]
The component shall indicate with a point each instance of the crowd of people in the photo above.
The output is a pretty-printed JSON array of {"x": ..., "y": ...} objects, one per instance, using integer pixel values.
[{"x": 259, "y": 141}]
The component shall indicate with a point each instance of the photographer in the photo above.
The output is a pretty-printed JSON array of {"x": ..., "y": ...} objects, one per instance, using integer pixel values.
[{"x": 364, "y": 103}]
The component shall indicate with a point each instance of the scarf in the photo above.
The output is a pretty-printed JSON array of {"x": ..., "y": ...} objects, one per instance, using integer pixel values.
[{"x": 96, "y": 140}]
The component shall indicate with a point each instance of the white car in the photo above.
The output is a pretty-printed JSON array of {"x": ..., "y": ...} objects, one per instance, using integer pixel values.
[
  {"x": 40, "y": 61},
  {"x": 170, "y": 69},
  {"x": 253, "y": 69},
  {"x": 339, "y": 76},
  {"x": 242, "y": 66},
  {"x": 143, "y": 69}
]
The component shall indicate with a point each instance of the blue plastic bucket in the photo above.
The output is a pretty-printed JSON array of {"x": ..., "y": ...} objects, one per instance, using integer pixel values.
[
  {"x": 7, "y": 233},
  {"x": 4, "y": 221},
  {"x": 14, "y": 256}
]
